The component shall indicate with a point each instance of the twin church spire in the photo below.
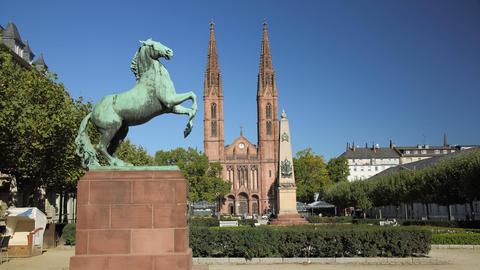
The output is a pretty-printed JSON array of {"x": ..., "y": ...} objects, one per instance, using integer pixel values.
[
  {"x": 266, "y": 74},
  {"x": 266, "y": 102},
  {"x": 213, "y": 83}
]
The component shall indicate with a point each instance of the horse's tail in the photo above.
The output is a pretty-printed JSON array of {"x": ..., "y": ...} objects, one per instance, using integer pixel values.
[{"x": 85, "y": 148}]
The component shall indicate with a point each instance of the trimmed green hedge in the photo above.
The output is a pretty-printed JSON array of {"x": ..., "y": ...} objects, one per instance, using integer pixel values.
[
  {"x": 341, "y": 219},
  {"x": 443, "y": 223},
  {"x": 456, "y": 239},
  {"x": 309, "y": 241},
  {"x": 68, "y": 234},
  {"x": 213, "y": 222}
]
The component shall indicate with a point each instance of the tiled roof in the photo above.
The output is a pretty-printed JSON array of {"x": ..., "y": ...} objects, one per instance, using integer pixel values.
[
  {"x": 367, "y": 153},
  {"x": 11, "y": 31},
  {"x": 430, "y": 161}
]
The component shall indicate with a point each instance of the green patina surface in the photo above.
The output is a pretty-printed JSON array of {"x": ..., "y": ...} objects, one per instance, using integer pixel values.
[
  {"x": 134, "y": 168},
  {"x": 152, "y": 95}
]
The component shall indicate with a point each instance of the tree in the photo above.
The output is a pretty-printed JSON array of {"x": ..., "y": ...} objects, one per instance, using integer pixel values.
[
  {"x": 133, "y": 154},
  {"x": 204, "y": 178},
  {"x": 38, "y": 123},
  {"x": 338, "y": 169},
  {"x": 311, "y": 174}
]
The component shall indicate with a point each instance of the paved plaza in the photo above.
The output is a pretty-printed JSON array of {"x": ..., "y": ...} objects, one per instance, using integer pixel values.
[{"x": 458, "y": 259}]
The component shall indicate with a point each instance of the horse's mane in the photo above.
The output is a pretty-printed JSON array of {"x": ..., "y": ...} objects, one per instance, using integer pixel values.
[{"x": 141, "y": 61}]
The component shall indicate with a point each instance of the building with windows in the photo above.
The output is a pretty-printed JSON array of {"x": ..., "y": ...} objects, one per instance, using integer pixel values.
[
  {"x": 366, "y": 162},
  {"x": 252, "y": 169},
  {"x": 20, "y": 49}
]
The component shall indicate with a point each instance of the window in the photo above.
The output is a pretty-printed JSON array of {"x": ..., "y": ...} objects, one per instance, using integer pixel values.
[
  {"x": 214, "y": 129},
  {"x": 268, "y": 111},
  {"x": 424, "y": 151},
  {"x": 213, "y": 111},
  {"x": 407, "y": 152},
  {"x": 269, "y": 128}
]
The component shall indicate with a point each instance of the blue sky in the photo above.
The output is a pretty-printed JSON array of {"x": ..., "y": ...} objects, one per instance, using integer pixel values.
[{"x": 367, "y": 71}]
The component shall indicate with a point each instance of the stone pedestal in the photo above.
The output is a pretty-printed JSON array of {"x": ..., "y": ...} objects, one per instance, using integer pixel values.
[
  {"x": 287, "y": 202},
  {"x": 132, "y": 220}
]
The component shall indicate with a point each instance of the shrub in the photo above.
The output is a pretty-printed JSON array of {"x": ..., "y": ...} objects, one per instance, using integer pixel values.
[
  {"x": 369, "y": 221},
  {"x": 68, "y": 234},
  {"x": 309, "y": 241},
  {"x": 317, "y": 219},
  {"x": 456, "y": 239},
  {"x": 444, "y": 223},
  {"x": 213, "y": 222}
]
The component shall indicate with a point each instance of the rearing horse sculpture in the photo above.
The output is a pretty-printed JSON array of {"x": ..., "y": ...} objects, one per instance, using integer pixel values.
[{"x": 152, "y": 95}]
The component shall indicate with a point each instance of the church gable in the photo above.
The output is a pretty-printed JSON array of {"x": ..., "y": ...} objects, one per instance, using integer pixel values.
[{"x": 241, "y": 148}]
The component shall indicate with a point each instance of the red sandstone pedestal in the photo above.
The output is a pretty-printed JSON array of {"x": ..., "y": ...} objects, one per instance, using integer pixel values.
[
  {"x": 288, "y": 219},
  {"x": 132, "y": 220}
]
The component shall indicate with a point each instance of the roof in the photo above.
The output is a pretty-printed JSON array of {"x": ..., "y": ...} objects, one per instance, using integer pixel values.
[
  {"x": 368, "y": 153},
  {"x": 11, "y": 31},
  {"x": 425, "y": 163},
  {"x": 28, "y": 50},
  {"x": 40, "y": 61}
]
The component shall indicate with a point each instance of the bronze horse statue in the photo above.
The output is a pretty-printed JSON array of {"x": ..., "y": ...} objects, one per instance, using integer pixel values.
[{"x": 152, "y": 95}]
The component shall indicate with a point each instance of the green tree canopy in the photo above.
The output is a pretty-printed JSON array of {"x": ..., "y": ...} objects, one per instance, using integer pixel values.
[
  {"x": 38, "y": 123},
  {"x": 311, "y": 174},
  {"x": 338, "y": 169},
  {"x": 133, "y": 154},
  {"x": 204, "y": 178}
]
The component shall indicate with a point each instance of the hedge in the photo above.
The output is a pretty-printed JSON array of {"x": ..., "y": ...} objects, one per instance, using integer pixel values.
[
  {"x": 213, "y": 222},
  {"x": 456, "y": 239},
  {"x": 444, "y": 223},
  {"x": 309, "y": 241},
  {"x": 340, "y": 219},
  {"x": 68, "y": 234}
]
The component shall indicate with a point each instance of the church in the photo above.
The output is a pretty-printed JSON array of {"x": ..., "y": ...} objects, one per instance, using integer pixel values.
[{"x": 252, "y": 169}]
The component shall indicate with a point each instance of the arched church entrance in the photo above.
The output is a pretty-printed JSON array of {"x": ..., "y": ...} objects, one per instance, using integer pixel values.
[
  {"x": 242, "y": 204},
  {"x": 231, "y": 205},
  {"x": 255, "y": 205}
]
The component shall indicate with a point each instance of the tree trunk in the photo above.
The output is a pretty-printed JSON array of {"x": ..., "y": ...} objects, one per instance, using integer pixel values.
[
  {"x": 428, "y": 211},
  {"x": 65, "y": 208},
  {"x": 472, "y": 211},
  {"x": 449, "y": 208},
  {"x": 61, "y": 209}
]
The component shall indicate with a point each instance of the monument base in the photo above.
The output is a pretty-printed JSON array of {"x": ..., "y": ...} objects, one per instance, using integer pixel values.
[
  {"x": 286, "y": 219},
  {"x": 132, "y": 219}
]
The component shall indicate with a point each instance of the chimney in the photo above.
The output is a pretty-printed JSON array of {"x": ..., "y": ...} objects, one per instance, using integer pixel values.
[
  {"x": 391, "y": 144},
  {"x": 354, "y": 147}
]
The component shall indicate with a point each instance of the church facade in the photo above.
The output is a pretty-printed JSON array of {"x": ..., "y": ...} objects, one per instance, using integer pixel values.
[{"x": 252, "y": 169}]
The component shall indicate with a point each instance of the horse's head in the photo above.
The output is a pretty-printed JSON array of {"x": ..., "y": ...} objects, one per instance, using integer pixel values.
[{"x": 157, "y": 49}]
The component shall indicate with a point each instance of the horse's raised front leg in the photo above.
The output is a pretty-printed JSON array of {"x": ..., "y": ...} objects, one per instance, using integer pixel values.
[
  {"x": 179, "y": 109},
  {"x": 175, "y": 99}
]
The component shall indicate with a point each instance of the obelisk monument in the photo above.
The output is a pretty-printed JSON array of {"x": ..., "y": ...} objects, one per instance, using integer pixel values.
[{"x": 286, "y": 189}]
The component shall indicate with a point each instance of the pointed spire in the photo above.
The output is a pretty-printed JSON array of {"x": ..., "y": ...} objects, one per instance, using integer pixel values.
[
  {"x": 213, "y": 83},
  {"x": 445, "y": 140},
  {"x": 40, "y": 63},
  {"x": 266, "y": 73},
  {"x": 11, "y": 32},
  {"x": 241, "y": 130}
]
